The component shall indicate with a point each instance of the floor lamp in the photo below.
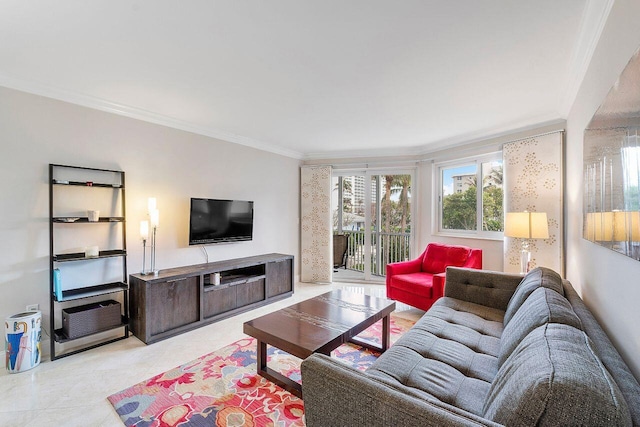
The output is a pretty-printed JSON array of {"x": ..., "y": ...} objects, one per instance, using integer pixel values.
[{"x": 526, "y": 226}]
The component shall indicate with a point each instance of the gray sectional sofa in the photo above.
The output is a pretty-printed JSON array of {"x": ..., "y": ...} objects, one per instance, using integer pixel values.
[{"x": 497, "y": 349}]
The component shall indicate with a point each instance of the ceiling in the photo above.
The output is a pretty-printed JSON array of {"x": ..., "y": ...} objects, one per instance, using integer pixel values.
[{"x": 310, "y": 79}]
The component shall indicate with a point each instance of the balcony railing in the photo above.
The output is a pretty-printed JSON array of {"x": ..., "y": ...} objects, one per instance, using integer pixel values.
[{"x": 385, "y": 248}]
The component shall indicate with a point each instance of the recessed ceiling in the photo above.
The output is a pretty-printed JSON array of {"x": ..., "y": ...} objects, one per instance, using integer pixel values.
[{"x": 309, "y": 79}]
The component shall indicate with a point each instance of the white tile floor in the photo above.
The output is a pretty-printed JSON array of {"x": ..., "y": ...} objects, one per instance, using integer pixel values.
[{"x": 73, "y": 391}]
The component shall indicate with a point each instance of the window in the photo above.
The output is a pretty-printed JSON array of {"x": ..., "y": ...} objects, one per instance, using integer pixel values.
[{"x": 466, "y": 208}]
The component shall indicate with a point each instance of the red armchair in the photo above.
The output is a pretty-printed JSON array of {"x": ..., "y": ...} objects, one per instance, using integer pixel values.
[{"x": 420, "y": 282}]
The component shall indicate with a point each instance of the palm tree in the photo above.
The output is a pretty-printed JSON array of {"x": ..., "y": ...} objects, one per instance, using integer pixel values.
[
  {"x": 386, "y": 202},
  {"x": 495, "y": 177},
  {"x": 403, "y": 186},
  {"x": 472, "y": 181}
]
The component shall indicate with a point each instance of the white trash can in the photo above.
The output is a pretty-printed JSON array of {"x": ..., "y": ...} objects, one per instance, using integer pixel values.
[{"x": 22, "y": 341}]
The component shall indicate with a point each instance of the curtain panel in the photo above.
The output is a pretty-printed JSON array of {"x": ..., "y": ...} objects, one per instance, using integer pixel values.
[
  {"x": 315, "y": 222},
  {"x": 533, "y": 182}
]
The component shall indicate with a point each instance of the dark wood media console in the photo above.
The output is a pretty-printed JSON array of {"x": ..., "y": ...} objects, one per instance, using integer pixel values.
[{"x": 185, "y": 298}]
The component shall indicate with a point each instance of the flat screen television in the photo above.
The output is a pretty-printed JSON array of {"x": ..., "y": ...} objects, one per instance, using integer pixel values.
[{"x": 219, "y": 221}]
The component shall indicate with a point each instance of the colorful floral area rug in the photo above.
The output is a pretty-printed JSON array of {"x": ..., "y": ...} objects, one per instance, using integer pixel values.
[{"x": 223, "y": 389}]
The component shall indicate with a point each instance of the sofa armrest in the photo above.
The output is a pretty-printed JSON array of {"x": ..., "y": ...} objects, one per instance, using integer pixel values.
[
  {"x": 336, "y": 394},
  {"x": 489, "y": 288},
  {"x": 628, "y": 384}
]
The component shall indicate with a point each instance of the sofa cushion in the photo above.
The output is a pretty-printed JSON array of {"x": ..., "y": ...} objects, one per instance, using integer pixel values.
[
  {"x": 554, "y": 378},
  {"x": 438, "y": 257},
  {"x": 542, "y": 306},
  {"x": 415, "y": 283},
  {"x": 450, "y": 354},
  {"x": 538, "y": 277},
  {"x": 474, "y": 325},
  {"x": 406, "y": 369}
]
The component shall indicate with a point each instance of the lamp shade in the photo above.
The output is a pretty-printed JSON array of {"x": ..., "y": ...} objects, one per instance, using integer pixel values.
[
  {"x": 526, "y": 225},
  {"x": 144, "y": 229},
  {"x": 152, "y": 204}
]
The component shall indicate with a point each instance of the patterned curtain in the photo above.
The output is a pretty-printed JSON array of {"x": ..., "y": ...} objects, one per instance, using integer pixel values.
[
  {"x": 315, "y": 233},
  {"x": 533, "y": 171}
]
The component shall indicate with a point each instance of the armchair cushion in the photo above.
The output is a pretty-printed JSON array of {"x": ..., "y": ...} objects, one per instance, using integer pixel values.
[
  {"x": 417, "y": 283},
  {"x": 438, "y": 257}
]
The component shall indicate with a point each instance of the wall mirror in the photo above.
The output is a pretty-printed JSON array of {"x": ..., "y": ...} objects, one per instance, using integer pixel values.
[{"x": 612, "y": 167}]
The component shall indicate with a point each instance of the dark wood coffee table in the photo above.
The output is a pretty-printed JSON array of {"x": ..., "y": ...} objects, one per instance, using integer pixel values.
[{"x": 318, "y": 325}]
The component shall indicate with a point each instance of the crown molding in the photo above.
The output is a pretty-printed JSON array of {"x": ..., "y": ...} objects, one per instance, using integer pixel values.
[
  {"x": 140, "y": 114},
  {"x": 392, "y": 151},
  {"x": 490, "y": 135},
  {"x": 592, "y": 24},
  {"x": 368, "y": 153},
  {"x": 487, "y": 136}
]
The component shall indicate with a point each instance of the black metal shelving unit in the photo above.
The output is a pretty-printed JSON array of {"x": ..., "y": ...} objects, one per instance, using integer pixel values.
[{"x": 58, "y": 258}]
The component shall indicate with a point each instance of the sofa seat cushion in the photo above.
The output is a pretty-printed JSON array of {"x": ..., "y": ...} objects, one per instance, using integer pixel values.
[
  {"x": 407, "y": 370},
  {"x": 474, "y": 325},
  {"x": 536, "y": 278},
  {"x": 554, "y": 378},
  {"x": 438, "y": 257},
  {"x": 543, "y": 306},
  {"x": 415, "y": 283},
  {"x": 450, "y": 354}
]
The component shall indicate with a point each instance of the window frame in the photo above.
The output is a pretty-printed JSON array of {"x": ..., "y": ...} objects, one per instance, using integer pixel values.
[{"x": 476, "y": 161}]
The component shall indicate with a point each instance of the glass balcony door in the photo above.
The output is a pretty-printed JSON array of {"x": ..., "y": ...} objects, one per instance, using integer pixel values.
[{"x": 373, "y": 209}]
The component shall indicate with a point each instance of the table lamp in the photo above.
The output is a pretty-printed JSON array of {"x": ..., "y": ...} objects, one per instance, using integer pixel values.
[{"x": 526, "y": 226}]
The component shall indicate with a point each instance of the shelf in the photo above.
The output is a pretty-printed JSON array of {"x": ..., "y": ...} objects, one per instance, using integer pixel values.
[
  {"x": 63, "y": 209},
  {"x": 232, "y": 280},
  {"x": 86, "y": 184},
  {"x": 60, "y": 336},
  {"x": 92, "y": 291},
  {"x": 85, "y": 220},
  {"x": 79, "y": 256}
]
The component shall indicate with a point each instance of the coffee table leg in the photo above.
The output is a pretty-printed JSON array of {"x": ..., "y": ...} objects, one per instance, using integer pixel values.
[
  {"x": 262, "y": 356},
  {"x": 386, "y": 335},
  {"x": 386, "y": 332},
  {"x": 275, "y": 376}
]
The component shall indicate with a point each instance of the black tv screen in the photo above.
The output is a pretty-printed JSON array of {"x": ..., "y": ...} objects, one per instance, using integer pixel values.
[{"x": 217, "y": 221}]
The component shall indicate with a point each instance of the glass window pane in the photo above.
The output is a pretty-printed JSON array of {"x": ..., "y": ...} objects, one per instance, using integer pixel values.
[
  {"x": 459, "y": 198},
  {"x": 492, "y": 196}
]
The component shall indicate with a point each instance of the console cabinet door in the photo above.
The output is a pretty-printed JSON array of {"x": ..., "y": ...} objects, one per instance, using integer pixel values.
[
  {"x": 219, "y": 299},
  {"x": 172, "y": 304},
  {"x": 250, "y": 292},
  {"x": 279, "y": 277}
]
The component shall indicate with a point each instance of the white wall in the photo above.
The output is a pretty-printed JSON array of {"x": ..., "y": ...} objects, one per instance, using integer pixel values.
[
  {"x": 608, "y": 282},
  {"x": 169, "y": 164}
]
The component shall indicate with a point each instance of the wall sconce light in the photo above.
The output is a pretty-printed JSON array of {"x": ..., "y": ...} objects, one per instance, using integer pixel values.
[{"x": 526, "y": 226}]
